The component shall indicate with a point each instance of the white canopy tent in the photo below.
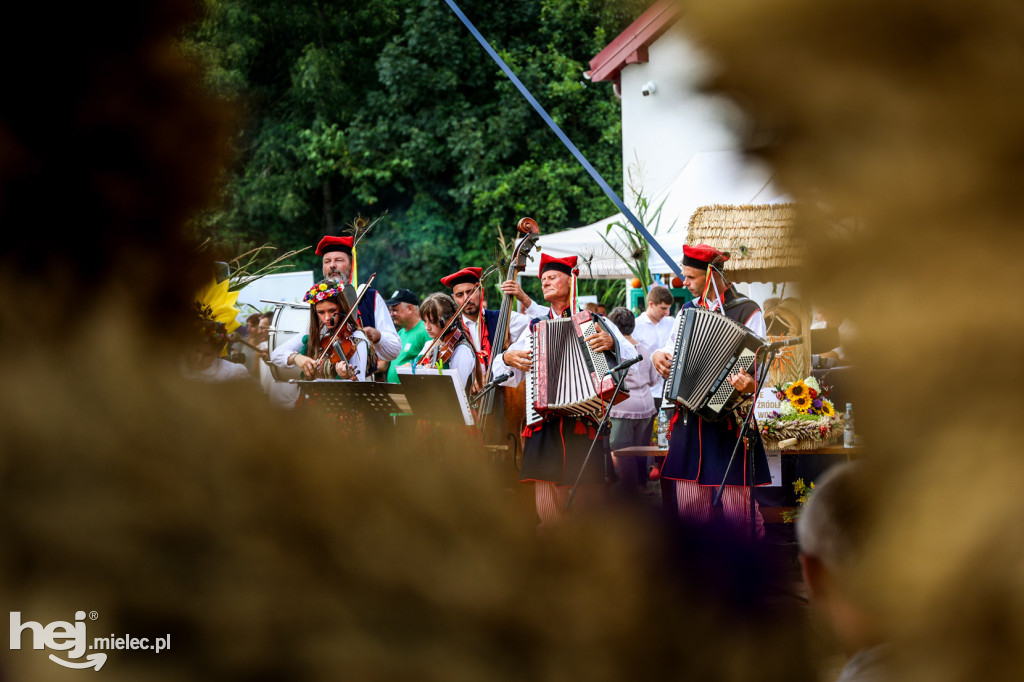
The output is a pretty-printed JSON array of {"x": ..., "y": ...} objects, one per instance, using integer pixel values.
[{"x": 722, "y": 177}]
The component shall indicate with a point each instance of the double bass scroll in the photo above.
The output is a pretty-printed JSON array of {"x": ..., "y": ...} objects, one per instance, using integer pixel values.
[{"x": 507, "y": 405}]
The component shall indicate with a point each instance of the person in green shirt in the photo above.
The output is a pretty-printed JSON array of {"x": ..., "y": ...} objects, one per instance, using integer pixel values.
[{"x": 405, "y": 311}]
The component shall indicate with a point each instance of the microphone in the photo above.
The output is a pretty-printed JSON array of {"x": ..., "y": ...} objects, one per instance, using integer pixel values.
[
  {"x": 775, "y": 345},
  {"x": 495, "y": 381},
  {"x": 625, "y": 365},
  {"x": 490, "y": 386}
]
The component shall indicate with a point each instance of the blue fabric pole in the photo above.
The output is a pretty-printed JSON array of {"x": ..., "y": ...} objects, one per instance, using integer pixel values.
[{"x": 566, "y": 141}]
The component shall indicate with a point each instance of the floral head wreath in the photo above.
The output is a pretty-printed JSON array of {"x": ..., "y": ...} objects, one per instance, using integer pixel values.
[
  {"x": 208, "y": 330},
  {"x": 321, "y": 291}
]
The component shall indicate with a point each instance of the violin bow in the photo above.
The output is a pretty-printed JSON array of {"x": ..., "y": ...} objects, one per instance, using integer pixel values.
[
  {"x": 458, "y": 313},
  {"x": 355, "y": 306}
]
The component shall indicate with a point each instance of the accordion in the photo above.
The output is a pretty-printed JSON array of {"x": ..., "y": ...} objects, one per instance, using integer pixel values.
[
  {"x": 566, "y": 377},
  {"x": 709, "y": 347}
]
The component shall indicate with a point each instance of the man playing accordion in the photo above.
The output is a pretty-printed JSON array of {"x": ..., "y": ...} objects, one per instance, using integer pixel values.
[
  {"x": 699, "y": 450},
  {"x": 554, "y": 449}
]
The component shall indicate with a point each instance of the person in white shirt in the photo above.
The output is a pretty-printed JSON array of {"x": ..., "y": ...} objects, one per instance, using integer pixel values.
[
  {"x": 481, "y": 323},
  {"x": 555, "y": 448},
  {"x": 328, "y": 308},
  {"x": 653, "y": 327},
  {"x": 437, "y": 311},
  {"x": 633, "y": 418},
  {"x": 374, "y": 318}
]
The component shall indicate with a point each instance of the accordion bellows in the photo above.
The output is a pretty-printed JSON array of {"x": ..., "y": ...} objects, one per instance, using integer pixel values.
[
  {"x": 567, "y": 378},
  {"x": 709, "y": 347}
]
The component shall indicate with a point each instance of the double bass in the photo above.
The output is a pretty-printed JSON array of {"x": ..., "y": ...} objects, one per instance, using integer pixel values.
[{"x": 503, "y": 411}]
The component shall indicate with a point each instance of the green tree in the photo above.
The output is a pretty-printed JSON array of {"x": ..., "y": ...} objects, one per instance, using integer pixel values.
[{"x": 391, "y": 105}]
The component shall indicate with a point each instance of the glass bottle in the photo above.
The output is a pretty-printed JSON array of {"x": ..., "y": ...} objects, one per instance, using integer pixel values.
[{"x": 849, "y": 435}]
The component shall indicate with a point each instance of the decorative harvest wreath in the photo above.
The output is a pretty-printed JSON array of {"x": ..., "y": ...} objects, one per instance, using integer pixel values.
[
  {"x": 321, "y": 291},
  {"x": 806, "y": 415}
]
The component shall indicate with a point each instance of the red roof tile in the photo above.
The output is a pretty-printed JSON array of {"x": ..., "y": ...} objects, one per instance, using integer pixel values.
[{"x": 630, "y": 46}]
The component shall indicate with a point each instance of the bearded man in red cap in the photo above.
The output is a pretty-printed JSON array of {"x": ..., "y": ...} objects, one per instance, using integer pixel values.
[
  {"x": 699, "y": 451},
  {"x": 374, "y": 318},
  {"x": 554, "y": 449},
  {"x": 481, "y": 324}
]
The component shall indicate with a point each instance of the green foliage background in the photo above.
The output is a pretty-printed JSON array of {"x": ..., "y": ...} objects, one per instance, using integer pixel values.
[{"x": 391, "y": 105}]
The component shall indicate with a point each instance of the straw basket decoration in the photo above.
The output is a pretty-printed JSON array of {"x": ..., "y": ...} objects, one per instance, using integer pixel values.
[
  {"x": 762, "y": 248},
  {"x": 759, "y": 239}
]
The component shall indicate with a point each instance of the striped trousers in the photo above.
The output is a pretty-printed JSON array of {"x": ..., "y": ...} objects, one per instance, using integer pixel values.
[
  {"x": 694, "y": 504},
  {"x": 551, "y": 499}
]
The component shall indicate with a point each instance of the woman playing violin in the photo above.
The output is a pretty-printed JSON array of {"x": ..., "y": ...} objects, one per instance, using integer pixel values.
[
  {"x": 455, "y": 350},
  {"x": 323, "y": 353}
]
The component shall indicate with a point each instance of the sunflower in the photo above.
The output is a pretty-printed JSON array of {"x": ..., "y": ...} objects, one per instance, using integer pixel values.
[
  {"x": 827, "y": 408},
  {"x": 221, "y": 303},
  {"x": 798, "y": 389},
  {"x": 802, "y": 403}
]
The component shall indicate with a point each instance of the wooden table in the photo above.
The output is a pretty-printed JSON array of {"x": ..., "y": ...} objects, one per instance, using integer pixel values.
[{"x": 640, "y": 451}]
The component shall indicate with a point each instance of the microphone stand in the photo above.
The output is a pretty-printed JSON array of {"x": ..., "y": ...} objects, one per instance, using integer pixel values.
[
  {"x": 600, "y": 428},
  {"x": 716, "y": 501}
]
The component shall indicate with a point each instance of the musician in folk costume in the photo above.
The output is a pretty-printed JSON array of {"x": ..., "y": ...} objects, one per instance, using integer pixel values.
[
  {"x": 555, "y": 448},
  {"x": 454, "y": 350},
  {"x": 481, "y": 324},
  {"x": 699, "y": 450},
  {"x": 327, "y": 310},
  {"x": 373, "y": 316}
]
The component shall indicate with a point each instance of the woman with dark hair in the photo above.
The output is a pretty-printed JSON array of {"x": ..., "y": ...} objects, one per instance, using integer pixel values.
[
  {"x": 456, "y": 350},
  {"x": 327, "y": 308},
  {"x": 633, "y": 418}
]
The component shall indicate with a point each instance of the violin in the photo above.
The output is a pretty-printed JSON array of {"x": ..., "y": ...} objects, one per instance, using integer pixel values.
[
  {"x": 449, "y": 341},
  {"x": 450, "y": 327},
  {"x": 336, "y": 348},
  {"x": 339, "y": 346}
]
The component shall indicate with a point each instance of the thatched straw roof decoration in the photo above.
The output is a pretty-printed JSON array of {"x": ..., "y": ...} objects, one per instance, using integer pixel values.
[{"x": 759, "y": 239}]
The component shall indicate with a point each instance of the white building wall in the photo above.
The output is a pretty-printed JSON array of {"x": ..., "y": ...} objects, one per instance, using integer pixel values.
[{"x": 661, "y": 131}]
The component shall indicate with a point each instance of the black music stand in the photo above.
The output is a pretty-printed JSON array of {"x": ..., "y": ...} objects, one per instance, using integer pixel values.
[
  {"x": 364, "y": 397},
  {"x": 436, "y": 396},
  {"x": 600, "y": 429}
]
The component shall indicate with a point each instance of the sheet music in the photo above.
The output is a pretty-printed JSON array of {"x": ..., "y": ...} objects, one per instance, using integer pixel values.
[{"x": 436, "y": 395}]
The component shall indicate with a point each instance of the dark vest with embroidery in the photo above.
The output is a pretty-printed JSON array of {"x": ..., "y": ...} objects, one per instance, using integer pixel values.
[
  {"x": 491, "y": 323},
  {"x": 699, "y": 450},
  {"x": 366, "y": 309}
]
